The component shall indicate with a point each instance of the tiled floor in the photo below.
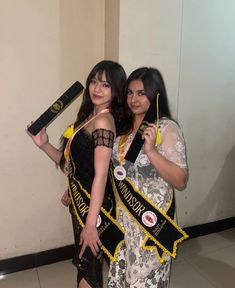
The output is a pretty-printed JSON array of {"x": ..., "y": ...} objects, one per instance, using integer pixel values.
[{"x": 204, "y": 262}]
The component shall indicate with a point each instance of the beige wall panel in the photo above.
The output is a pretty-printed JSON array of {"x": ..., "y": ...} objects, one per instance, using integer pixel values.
[
  {"x": 149, "y": 35},
  {"x": 112, "y": 16},
  {"x": 45, "y": 47},
  {"x": 192, "y": 44},
  {"x": 207, "y": 110}
]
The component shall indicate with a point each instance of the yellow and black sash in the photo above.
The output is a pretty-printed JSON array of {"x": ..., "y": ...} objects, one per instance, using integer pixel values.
[
  {"x": 110, "y": 232},
  {"x": 162, "y": 233}
]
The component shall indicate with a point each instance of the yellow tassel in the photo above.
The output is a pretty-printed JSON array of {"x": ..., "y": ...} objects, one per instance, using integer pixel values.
[
  {"x": 69, "y": 132},
  {"x": 159, "y": 136}
]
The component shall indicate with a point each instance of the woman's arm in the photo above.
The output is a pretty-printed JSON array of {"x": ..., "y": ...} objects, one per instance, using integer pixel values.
[
  {"x": 167, "y": 168},
  {"x": 89, "y": 235},
  {"x": 52, "y": 152},
  {"x": 42, "y": 141}
]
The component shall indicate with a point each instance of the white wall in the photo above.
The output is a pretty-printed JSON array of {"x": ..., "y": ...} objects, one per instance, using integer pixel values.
[
  {"x": 44, "y": 49},
  {"x": 149, "y": 35},
  {"x": 207, "y": 109},
  {"x": 192, "y": 43}
]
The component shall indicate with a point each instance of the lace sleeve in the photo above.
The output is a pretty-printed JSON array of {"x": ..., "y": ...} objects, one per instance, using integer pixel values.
[
  {"x": 173, "y": 146},
  {"x": 103, "y": 137}
]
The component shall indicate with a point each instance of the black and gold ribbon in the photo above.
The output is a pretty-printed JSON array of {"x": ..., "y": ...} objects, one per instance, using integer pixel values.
[
  {"x": 162, "y": 233},
  {"x": 138, "y": 142},
  {"x": 110, "y": 232}
]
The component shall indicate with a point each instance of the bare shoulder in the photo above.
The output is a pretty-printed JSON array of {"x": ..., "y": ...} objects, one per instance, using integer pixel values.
[{"x": 105, "y": 121}]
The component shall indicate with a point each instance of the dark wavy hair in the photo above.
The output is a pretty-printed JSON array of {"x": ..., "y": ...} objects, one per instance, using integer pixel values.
[
  {"x": 153, "y": 84},
  {"x": 116, "y": 77}
]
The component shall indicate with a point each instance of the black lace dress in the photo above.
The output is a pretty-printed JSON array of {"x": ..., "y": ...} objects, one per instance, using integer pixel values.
[{"x": 82, "y": 159}]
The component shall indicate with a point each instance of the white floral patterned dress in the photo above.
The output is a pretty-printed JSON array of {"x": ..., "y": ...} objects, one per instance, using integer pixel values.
[{"x": 136, "y": 267}]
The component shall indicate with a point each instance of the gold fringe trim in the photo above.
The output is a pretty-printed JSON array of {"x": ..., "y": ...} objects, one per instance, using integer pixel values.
[
  {"x": 113, "y": 258},
  {"x": 185, "y": 236}
]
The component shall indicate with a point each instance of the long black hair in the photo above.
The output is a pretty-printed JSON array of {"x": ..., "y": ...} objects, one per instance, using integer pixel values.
[
  {"x": 153, "y": 84},
  {"x": 116, "y": 77}
]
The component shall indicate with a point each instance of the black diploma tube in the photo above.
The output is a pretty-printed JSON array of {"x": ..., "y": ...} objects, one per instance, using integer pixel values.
[
  {"x": 56, "y": 108},
  {"x": 137, "y": 143}
]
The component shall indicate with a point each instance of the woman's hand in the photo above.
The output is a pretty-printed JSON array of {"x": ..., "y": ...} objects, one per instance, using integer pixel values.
[
  {"x": 149, "y": 135},
  {"x": 41, "y": 139},
  {"x": 89, "y": 237},
  {"x": 65, "y": 199}
]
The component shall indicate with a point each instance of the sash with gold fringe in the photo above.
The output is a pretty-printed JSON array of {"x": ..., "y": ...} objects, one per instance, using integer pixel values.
[
  {"x": 162, "y": 233},
  {"x": 110, "y": 232}
]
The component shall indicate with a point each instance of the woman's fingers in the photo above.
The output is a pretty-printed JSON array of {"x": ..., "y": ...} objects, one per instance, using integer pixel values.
[
  {"x": 82, "y": 250},
  {"x": 89, "y": 238},
  {"x": 68, "y": 201},
  {"x": 99, "y": 243},
  {"x": 95, "y": 248},
  {"x": 65, "y": 199},
  {"x": 149, "y": 132}
]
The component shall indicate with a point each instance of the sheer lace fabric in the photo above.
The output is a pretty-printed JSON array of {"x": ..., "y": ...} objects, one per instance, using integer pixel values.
[
  {"x": 138, "y": 267},
  {"x": 103, "y": 137}
]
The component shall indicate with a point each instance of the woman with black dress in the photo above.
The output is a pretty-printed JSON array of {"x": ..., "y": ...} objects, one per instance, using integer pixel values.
[{"x": 85, "y": 158}]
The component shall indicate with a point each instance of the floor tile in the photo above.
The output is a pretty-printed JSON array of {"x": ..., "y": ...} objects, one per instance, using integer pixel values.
[
  {"x": 58, "y": 275},
  {"x": 228, "y": 234},
  {"x": 218, "y": 266},
  {"x": 22, "y": 279},
  {"x": 183, "y": 275},
  {"x": 178, "y": 258},
  {"x": 208, "y": 243},
  {"x": 205, "y": 262}
]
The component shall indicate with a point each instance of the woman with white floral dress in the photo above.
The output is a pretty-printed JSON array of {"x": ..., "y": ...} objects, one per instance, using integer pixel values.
[{"x": 160, "y": 166}]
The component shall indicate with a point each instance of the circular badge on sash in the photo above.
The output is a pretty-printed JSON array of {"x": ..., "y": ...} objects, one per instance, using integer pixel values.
[
  {"x": 120, "y": 173},
  {"x": 98, "y": 221},
  {"x": 149, "y": 218}
]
